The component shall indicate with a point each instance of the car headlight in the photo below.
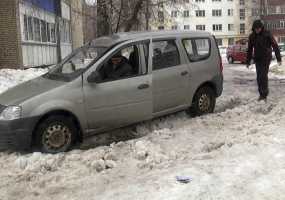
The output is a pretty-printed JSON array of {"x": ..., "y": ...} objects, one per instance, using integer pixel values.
[{"x": 11, "y": 113}]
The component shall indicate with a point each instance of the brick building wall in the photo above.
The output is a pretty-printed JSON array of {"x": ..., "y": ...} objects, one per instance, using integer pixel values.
[
  {"x": 10, "y": 42},
  {"x": 274, "y": 17}
]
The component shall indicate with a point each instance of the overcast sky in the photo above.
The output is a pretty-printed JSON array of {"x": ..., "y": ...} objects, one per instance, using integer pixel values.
[{"x": 91, "y": 2}]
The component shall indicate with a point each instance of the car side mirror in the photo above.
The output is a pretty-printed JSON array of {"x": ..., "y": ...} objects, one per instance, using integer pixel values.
[{"x": 94, "y": 77}]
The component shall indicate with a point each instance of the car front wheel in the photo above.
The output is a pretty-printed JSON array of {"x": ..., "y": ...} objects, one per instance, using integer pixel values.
[
  {"x": 204, "y": 102},
  {"x": 56, "y": 134}
]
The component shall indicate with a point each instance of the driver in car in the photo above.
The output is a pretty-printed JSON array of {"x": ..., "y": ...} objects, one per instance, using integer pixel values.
[{"x": 116, "y": 68}]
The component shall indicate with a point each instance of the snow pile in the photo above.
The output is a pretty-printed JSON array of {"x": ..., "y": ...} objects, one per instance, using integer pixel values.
[
  {"x": 236, "y": 153},
  {"x": 11, "y": 77}
]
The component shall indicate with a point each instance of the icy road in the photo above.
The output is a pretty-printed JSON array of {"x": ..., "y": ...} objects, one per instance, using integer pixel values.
[{"x": 237, "y": 153}]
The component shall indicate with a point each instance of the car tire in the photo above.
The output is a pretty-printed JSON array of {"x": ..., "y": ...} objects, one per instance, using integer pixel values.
[
  {"x": 230, "y": 60},
  {"x": 56, "y": 134},
  {"x": 204, "y": 102}
]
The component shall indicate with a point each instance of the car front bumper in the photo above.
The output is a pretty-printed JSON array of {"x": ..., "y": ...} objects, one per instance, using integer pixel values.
[{"x": 17, "y": 134}]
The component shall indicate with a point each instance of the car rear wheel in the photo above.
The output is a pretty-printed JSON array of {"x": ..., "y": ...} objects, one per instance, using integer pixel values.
[
  {"x": 204, "y": 102},
  {"x": 231, "y": 60},
  {"x": 56, "y": 134}
]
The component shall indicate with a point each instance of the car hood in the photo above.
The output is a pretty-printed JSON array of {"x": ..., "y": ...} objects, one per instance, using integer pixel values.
[{"x": 29, "y": 89}]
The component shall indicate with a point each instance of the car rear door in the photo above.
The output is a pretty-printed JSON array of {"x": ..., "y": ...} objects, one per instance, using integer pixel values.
[
  {"x": 170, "y": 76},
  {"x": 115, "y": 103}
]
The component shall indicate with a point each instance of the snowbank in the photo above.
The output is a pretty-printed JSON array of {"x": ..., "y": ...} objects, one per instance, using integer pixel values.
[
  {"x": 11, "y": 77},
  {"x": 236, "y": 153}
]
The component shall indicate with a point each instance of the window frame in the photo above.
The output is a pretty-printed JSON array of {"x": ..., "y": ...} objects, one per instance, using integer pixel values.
[
  {"x": 177, "y": 48},
  {"x": 141, "y": 53},
  {"x": 195, "y": 50}
]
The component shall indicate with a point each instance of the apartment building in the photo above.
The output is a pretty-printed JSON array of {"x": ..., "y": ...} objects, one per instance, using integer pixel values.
[
  {"x": 228, "y": 20},
  {"x": 273, "y": 15},
  {"x": 29, "y": 33}
]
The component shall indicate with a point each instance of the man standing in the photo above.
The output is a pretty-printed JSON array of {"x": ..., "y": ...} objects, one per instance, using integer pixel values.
[{"x": 260, "y": 46}]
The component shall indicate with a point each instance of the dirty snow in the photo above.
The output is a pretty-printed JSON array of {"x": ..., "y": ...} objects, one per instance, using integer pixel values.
[{"x": 236, "y": 153}]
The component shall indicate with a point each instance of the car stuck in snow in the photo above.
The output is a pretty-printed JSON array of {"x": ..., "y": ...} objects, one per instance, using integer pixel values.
[{"x": 113, "y": 82}]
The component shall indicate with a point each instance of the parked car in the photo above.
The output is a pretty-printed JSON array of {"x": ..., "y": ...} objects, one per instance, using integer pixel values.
[
  {"x": 282, "y": 49},
  {"x": 237, "y": 52},
  {"x": 171, "y": 71}
]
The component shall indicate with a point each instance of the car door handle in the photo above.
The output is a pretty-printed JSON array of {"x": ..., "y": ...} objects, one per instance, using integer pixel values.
[
  {"x": 184, "y": 73},
  {"x": 143, "y": 86}
]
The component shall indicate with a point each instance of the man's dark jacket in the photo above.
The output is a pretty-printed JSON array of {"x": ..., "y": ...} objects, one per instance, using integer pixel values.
[
  {"x": 110, "y": 72},
  {"x": 262, "y": 45}
]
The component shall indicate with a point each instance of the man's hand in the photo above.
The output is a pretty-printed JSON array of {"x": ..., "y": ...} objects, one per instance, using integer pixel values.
[
  {"x": 280, "y": 63},
  {"x": 247, "y": 66}
]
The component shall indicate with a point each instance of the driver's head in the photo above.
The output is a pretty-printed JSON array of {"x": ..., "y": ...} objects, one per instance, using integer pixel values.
[{"x": 117, "y": 59}]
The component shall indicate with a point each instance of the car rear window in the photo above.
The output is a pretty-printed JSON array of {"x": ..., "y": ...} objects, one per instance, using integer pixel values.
[{"x": 197, "y": 49}]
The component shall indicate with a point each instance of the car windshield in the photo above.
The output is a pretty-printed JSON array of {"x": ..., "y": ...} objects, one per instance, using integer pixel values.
[{"x": 76, "y": 63}]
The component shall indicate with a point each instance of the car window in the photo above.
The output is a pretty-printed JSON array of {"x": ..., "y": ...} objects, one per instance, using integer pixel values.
[
  {"x": 76, "y": 63},
  {"x": 124, "y": 63},
  {"x": 165, "y": 54},
  {"x": 197, "y": 49},
  {"x": 203, "y": 47}
]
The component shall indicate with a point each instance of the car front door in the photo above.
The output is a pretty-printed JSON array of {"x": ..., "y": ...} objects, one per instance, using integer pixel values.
[
  {"x": 170, "y": 77},
  {"x": 122, "y": 101}
]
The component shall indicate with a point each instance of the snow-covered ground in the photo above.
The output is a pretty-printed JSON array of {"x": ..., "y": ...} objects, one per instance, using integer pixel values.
[{"x": 236, "y": 153}]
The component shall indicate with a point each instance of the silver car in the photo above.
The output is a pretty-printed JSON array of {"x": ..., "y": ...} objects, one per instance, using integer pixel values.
[{"x": 110, "y": 83}]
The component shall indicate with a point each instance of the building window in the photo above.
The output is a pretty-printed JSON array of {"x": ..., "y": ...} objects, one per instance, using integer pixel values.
[
  {"x": 241, "y": 2},
  {"x": 52, "y": 32},
  {"x": 37, "y": 30},
  {"x": 216, "y": 13},
  {"x": 242, "y": 29},
  {"x": 217, "y": 27},
  {"x": 198, "y": 1},
  {"x": 200, "y": 13},
  {"x": 281, "y": 39},
  {"x": 219, "y": 41},
  {"x": 160, "y": 16},
  {"x": 161, "y": 28},
  {"x": 255, "y": 12},
  {"x": 174, "y": 13},
  {"x": 216, "y": 0},
  {"x": 200, "y": 27},
  {"x": 44, "y": 37},
  {"x": 186, "y": 27},
  {"x": 231, "y": 41},
  {"x": 230, "y": 12},
  {"x": 174, "y": 27},
  {"x": 186, "y": 13},
  {"x": 230, "y": 27},
  {"x": 242, "y": 14}
]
